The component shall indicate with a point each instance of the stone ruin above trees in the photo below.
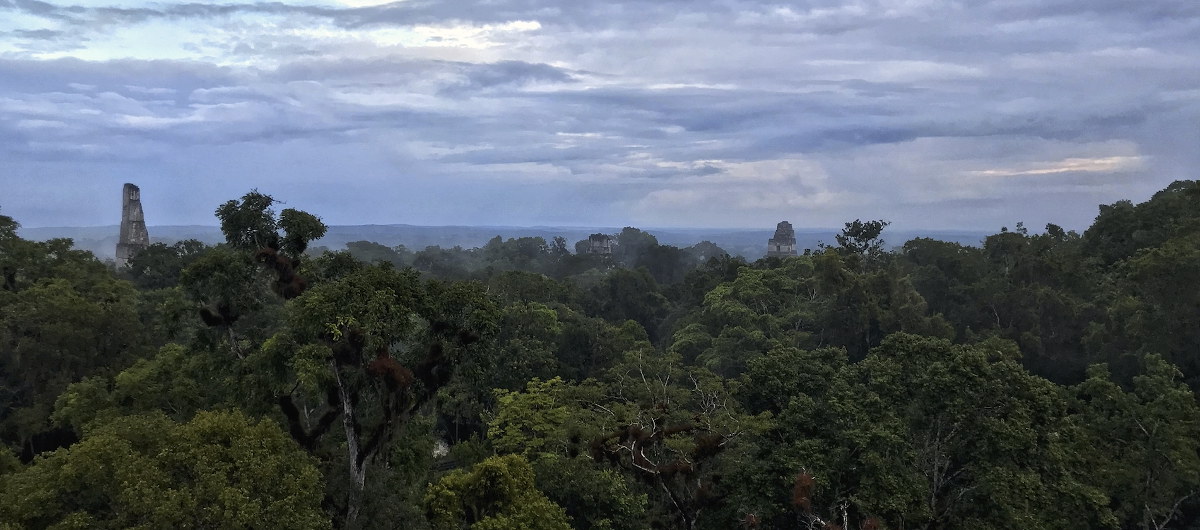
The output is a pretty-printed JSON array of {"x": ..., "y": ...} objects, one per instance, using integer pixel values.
[
  {"x": 134, "y": 237},
  {"x": 784, "y": 242}
]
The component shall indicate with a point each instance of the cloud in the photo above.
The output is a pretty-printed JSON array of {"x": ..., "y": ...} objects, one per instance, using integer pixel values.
[
  {"x": 730, "y": 113},
  {"x": 1107, "y": 164}
]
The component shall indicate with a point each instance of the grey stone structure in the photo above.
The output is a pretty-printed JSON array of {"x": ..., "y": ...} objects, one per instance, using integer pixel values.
[
  {"x": 600, "y": 244},
  {"x": 134, "y": 236},
  {"x": 784, "y": 242}
]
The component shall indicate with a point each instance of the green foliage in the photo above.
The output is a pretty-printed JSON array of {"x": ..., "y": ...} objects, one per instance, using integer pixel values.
[
  {"x": 772, "y": 381},
  {"x": 1123, "y": 228},
  {"x": 1035, "y": 290},
  {"x": 1148, "y": 311},
  {"x": 299, "y": 228},
  {"x": 219, "y": 470},
  {"x": 519, "y": 286},
  {"x": 9, "y": 463},
  {"x": 927, "y": 433},
  {"x": 160, "y": 265},
  {"x": 225, "y": 277},
  {"x": 862, "y": 238},
  {"x": 673, "y": 427},
  {"x": 804, "y": 302},
  {"x": 249, "y": 224},
  {"x": 525, "y": 253},
  {"x": 172, "y": 382},
  {"x": 496, "y": 494},
  {"x": 1141, "y": 446},
  {"x": 54, "y": 332},
  {"x": 631, "y": 295},
  {"x": 330, "y": 266},
  {"x": 378, "y": 302},
  {"x": 851, "y": 387},
  {"x": 371, "y": 252},
  {"x": 389, "y": 345},
  {"x": 527, "y": 339},
  {"x": 594, "y": 498},
  {"x": 631, "y": 245},
  {"x": 530, "y": 422}
]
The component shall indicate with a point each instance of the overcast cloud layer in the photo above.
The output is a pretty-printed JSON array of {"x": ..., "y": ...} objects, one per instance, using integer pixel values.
[{"x": 706, "y": 113}]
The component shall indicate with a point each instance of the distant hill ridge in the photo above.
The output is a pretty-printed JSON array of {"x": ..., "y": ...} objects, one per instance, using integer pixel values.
[{"x": 749, "y": 243}]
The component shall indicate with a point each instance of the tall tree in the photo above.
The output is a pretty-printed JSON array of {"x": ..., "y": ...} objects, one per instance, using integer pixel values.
[
  {"x": 219, "y": 470},
  {"x": 371, "y": 349}
]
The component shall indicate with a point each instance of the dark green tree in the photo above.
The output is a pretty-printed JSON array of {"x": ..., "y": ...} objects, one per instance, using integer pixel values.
[
  {"x": 1142, "y": 446},
  {"x": 219, "y": 470}
]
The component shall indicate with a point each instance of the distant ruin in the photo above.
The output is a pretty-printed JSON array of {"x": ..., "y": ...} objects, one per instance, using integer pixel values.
[
  {"x": 134, "y": 236},
  {"x": 784, "y": 242},
  {"x": 600, "y": 244}
]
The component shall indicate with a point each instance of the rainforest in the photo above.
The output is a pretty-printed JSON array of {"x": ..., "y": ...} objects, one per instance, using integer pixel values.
[{"x": 1042, "y": 378}]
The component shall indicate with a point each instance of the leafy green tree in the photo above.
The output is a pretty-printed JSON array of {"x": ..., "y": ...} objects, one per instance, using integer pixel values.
[
  {"x": 251, "y": 224},
  {"x": 923, "y": 433},
  {"x": 176, "y": 382},
  {"x": 558, "y": 248},
  {"x": 52, "y": 333},
  {"x": 547, "y": 424},
  {"x": 704, "y": 251},
  {"x": 496, "y": 494},
  {"x": 675, "y": 429},
  {"x": 524, "y": 347},
  {"x": 233, "y": 297},
  {"x": 631, "y": 295},
  {"x": 948, "y": 276},
  {"x": 1147, "y": 311},
  {"x": 329, "y": 266},
  {"x": 1143, "y": 445},
  {"x": 219, "y": 470},
  {"x": 697, "y": 283},
  {"x": 160, "y": 265},
  {"x": 806, "y": 302},
  {"x": 529, "y": 422},
  {"x": 1036, "y": 290},
  {"x": 772, "y": 381},
  {"x": 862, "y": 238},
  {"x": 299, "y": 229},
  {"x": 372, "y": 349},
  {"x": 595, "y": 498},
  {"x": 666, "y": 264},
  {"x": 588, "y": 346},
  {"x": 525, "y": 253},
  {"x": 1123, "y": 228},
  {"x": 23, "y": 263},
  {"x": 527, "y": 339}
]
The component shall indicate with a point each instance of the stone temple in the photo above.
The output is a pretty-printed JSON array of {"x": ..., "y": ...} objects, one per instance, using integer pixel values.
[
  {"x": 600, "y": 244},
  {"x": 134, "y": 236},
  {"x": 784, "y": 242}
]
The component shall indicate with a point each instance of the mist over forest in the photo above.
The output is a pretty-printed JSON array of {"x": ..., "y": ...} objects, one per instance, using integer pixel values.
[{"x": 750, "y": 244}]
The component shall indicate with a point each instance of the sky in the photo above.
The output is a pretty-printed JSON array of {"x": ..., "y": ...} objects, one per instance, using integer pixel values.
[{"x": 649, "y": 113}]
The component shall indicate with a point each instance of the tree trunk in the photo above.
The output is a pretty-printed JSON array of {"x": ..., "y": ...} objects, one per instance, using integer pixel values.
[{"x": 358, "y": 468}]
